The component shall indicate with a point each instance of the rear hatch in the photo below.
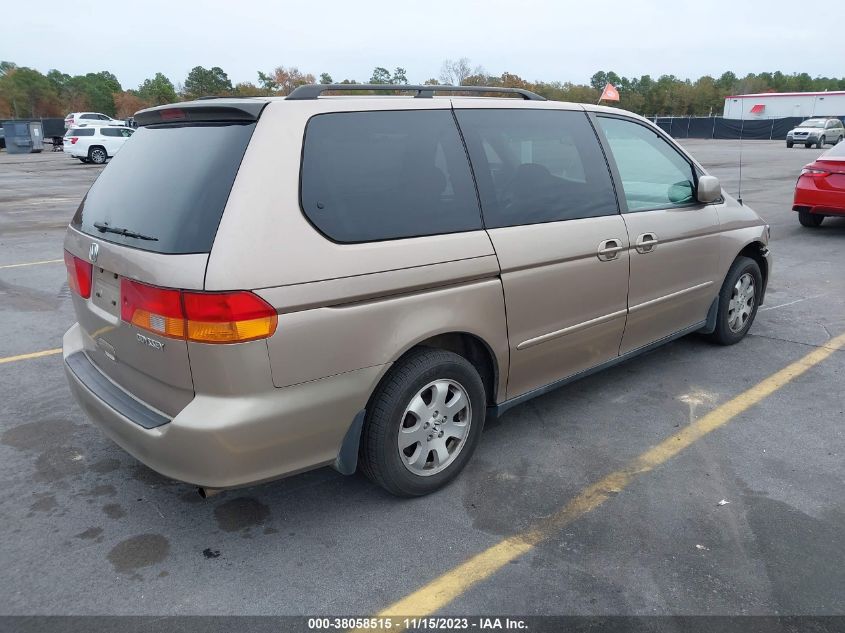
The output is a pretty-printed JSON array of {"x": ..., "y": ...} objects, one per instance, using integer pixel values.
[{"x": 143, "y": 233}]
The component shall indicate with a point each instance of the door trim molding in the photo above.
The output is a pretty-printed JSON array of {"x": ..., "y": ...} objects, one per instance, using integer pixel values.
[
  {"x": 496, "y": 410},
  {"x": 570, "y": 330},
  {"x": 669, "y": 297}
]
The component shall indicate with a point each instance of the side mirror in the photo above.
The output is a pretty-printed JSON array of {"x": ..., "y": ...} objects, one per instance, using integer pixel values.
[{"x": 709, "y": 190}]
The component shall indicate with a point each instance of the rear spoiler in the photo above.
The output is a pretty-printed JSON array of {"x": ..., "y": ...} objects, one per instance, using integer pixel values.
[{"x": 210, "y": 110}]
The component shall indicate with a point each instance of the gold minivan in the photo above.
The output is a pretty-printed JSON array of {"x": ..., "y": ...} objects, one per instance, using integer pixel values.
[{"x": 269, "y": 285}]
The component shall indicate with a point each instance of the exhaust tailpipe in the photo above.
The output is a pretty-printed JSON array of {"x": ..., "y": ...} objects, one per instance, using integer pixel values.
[{"x": 205, "y": 493}]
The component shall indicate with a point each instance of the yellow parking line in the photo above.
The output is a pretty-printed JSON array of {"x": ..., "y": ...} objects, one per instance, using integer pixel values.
[
  {"x": 45, "y": 261},
  {"x": 443, "y": 590},
  {"x": 46, "y": 352}
]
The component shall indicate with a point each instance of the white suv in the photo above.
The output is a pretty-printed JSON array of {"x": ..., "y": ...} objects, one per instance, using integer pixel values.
[
  {"x": 95, "y": 143},
  {"x": 79, "y": 119}
]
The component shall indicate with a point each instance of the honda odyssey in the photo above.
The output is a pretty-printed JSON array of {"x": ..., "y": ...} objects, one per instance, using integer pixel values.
[{"x": 265, "y": 286}]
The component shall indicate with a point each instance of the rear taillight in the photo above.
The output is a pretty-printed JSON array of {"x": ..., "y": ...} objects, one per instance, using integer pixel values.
[
  {"x": 206, "y": 317},
  {"x": 78, "y": 275},
  {"x": 227, "y": 317},
  {"x": 73, "y": 140},
  {"x": 815, "y": 173},
  {"x": 155, "y": 309}
]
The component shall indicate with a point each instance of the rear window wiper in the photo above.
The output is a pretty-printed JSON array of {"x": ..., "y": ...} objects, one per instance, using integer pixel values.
[{"x": 105, "y": 228}]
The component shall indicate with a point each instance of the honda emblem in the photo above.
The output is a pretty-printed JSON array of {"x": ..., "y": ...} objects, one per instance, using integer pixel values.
[{"x": 93, "y": 252}]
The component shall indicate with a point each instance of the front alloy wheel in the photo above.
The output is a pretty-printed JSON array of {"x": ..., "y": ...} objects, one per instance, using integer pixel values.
[
  {"x": 738, "y": 299},
  {"x": 742, "y": 300}
]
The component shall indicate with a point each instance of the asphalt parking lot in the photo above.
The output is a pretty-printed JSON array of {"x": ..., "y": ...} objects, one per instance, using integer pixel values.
[{"x": 88, "y": 530}]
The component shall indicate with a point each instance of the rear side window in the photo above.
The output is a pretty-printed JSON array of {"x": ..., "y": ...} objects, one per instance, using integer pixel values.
[
  {"x": 82, "y": 131},
  {"x": 370, "y": 176},
  {"x": 537, "y": 166},
  {"x": 110, "y": 131},
  {"x": 167, "y": 187}
]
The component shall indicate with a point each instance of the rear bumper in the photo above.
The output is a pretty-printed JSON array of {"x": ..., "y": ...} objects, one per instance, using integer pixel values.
[
  {"x": 823, "y": 201},
  {"x": 225, "y": 441}
]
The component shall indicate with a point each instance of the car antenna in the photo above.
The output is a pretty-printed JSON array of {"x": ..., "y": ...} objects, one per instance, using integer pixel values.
[{"x": 741, "y": 134}]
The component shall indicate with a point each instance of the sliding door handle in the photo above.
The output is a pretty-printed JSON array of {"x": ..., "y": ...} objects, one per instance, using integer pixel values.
[{"x": 609, "y": 249}]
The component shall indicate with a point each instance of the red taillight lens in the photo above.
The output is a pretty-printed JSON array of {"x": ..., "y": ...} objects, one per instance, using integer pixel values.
[
  {"x": 78, "y": 275},
  {"x": 155, "y": 309},
  {"x": 73, "y": 140},
  {"x": 228, "y": 317},
  {"x": 172, "y": 114},
  {"x": 207, "y": 317}
]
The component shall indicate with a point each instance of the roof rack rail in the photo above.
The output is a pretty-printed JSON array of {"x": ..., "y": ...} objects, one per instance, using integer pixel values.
[{"x": 312, "y": 91}]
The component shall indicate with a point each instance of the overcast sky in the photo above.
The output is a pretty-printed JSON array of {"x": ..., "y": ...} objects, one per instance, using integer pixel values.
[{"x": 546, "y": 40}]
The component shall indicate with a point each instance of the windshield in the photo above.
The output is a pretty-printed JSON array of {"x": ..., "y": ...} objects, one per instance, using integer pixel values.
[
  {"x": 813, "y": 123},
  {"x": 166, "y": 189}
]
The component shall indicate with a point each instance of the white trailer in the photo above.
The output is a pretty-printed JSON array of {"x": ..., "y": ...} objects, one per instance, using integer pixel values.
[{"x": 776, "y": 105}]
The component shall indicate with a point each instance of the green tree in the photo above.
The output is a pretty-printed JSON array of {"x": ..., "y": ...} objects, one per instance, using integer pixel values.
[
  {"x": 158, "y": 90},
  {"x": 5, "y": 67},
  {"x": 380, "y": 76},
  {"x": 248, "y": 89},
  {"x": 283, "y": 80},
  {"x": 204, "y": 82},
  {"x": 399, "y": 76},
  {"x": 29, "y": 93},
  {"x": 326, "y": 78}
]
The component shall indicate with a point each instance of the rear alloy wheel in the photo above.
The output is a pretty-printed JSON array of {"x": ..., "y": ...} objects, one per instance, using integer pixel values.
[
  {"x": 97, "y": 155},
  {"x": 423, "y": 423},
  {"x": 738, "y": 301},
  {"x": 810, "y": 220},
  {"x": 820, "y": 143}
]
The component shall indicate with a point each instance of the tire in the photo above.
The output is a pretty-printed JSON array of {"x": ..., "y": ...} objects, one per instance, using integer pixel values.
[
  {"x": 84, "y": 160},
  {"x": 97, "y": 155},
  {"x": 839, "y": 140},
  {"x": 789, "y": 144},
  {"x": 737, "y": 308},
  {"x": 810, "y": 220},
  {"x": 820, "y": 143},
  {"x": 391, "y": 423},
  {"x": 808, "y": 144}
]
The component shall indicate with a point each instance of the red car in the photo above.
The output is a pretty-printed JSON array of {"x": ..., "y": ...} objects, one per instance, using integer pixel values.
[{"x": 820, "y": 190}]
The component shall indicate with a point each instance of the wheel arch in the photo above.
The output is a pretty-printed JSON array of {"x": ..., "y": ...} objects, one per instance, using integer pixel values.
[
  {"x": 757, "y": 251},
  {"x": 472, "y": 347},
  {"x": 93, "y": 147}
]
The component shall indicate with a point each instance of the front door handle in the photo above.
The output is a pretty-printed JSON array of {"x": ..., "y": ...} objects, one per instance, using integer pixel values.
[
  {"x": 609, "y": 249},
  {"x": 646, "y": 243}
]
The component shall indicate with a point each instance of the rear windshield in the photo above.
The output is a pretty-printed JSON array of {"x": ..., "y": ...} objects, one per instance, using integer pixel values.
[{"x": 166, "y": 188}]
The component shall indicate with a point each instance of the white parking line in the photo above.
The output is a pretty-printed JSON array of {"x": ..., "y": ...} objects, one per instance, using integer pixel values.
[
  {"x": 792, "y": 303},
  {"x": 44, "y": 261}
]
